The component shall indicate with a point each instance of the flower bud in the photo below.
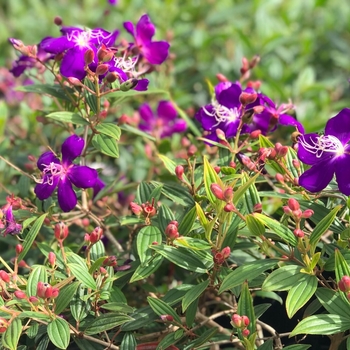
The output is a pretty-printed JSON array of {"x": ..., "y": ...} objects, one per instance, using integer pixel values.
[
  {"x": 111, "y": 77},
  {"x": 104, "y": 54},
  {"x": 226, "y": 252},
  {"x": 19, "y": 249},
  {"x": 296, "y": 164},
  {"x": 217, "y": 191},
  {"x": 103, "y": 271},
  {"x": 149, "y": 209},
  {"x": 220, "y": 134},
  {"x": 4, "y": 276},
  {"x": 102, "y": 69},
  {"x": 293, "y": 204},
  {"x": 228, "y": 194},
  {"x": 171, "y": 232},
  {"x": 45, "y": 290},
  {"x": 245, "y": 332},
  {"x": 20, "y": 294},
  {"x": 110, "y": 261},
  {"x": 236, "y": 320},
  {"x": 229, "y": 207},
  {"x": 307, "y": 213},
  {"x": 255, "y": 134},
  {"x": 52, "y": 259},
  {"x": 3, "y": 324},
  {"x": 34, "y": 300},
  {"x": 129, "y": 84},
  {"x": 247, "y": 98},
  {"x": 89, "y": 56},
  {"x": 282, "y": 152},
  {"x": 74, "y": 81},
  {"x": 179, "y": 171},
  {"x": 219, "y": 258},
  {"x": 217, "y": 169},
  {"x": 61, "y": 231},
  {"x": 221, "y": 78},
  {"x": 280, "y": 178},
  {"x": 174, "y": 222},
  {"x": 191, "y": 151},
  {"x": 135, "y": 208},
  {"x": 96, "y": 235},
  {"x": 344, "y": 284},
  {"x": 299, "y": 233},
  {"x": 257, "y": 208},
  {"x": 58, "y": 21}
]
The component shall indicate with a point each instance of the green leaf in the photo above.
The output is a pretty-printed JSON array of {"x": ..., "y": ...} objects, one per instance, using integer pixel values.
[
  {"x": 251, "y": 195},
  {"x": 54, "y": 90},
  {"x": 192, "y": 243},
  {"x": 322, "y": 325},
  {"x": 106, "y": 145},
  {"x": 180, "y": 257},
  {"x": 4, "y": 113},
  {"x": 245, "y": 306},
  {"x": 85, "y": 344},
  {"x": 170, "y": 339},
  {"x": 90, "y": 98},
  {"x": 210, "y": 177},
  {"x": 193, "y": 294},
  {"x": 79, "y": 308},
  {"x": 68, "y": 117},
  {"x": 144, "y": 191},
  {"x": 341, "y": 266},
  {"x": 323, "y": 226},
  {"x": 176, "y": 193},
  {"x": 283, "y": 278},
  {"x": 109, "y": 129},
  {"x": 296, "y": 347},
  {"x": 12, "y": 334},
  {"x": 191, "y": 313},
  {"x": 254, "y": 225},
  {"x": 187, "y": 222},
  {"x": 30, "y": 238},
  {"x": 203, "y": 338},
  {"x": 97, "y": 251},
  {"x": 128, "y": 342},
  {"x": 300, "y": 294},
  {"x": 146, "y": 236},
  {"x": 135, "y": 131},
  {"x": 170, "y": 165},
  {"x": 246, "y": 272},
  {"x": 279, "y": 229},
  {"x": 38, "y": 274},
  {"x": 165, "y": 215},
  {"x": 267, "y": 345},
  {"x": 243, "y": 188},
  {"x": 65, "y": 296},
  {"x": 106, "y": 322},
  {"x": 83, "y": 275},
  {"x": 162, "y": 308},
  {"x": 330, "y": 300},
  {"x": 117, "y": 306},
  {"x": 34, "y": 315},
  {"x": 144, "y": 271},
  {"x": 59, "y": 333}
]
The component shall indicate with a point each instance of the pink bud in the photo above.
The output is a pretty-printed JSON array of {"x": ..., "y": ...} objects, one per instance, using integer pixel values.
[
  {"x": 344, "y": 284},
  {"x": 167, "y": 318},
  {"x": 296, "y": 164},
  {"x": 299, "y": 233},
  {"x": 293, "y": 204},
  {"x": 220, "y": 134},
  {"x": 135, "y": 208},
  {"x": 110, "y": 261},
  {"x": 4, "y": 276},
  {"x": 61, "y": 231},
  {"x": 228, "y": 194},
  {"x": 257, "y": 208},
  {"x": 96, "y": 235},
  {"x": 221, "y": 78},
  {"x": 89, "y": 56},
  {"x": 245, "y": 332},
  {"x": 217, "y": 169},
  {"x": 236, "y": 320},
  {"x": 179, "y": 171},
  {"x": 102, "y": 69},
  {"x": 229, "y": 207},
  {"x": 219, "y": 258},
  {"x": 255, "y": 134},
  {"x": 307, "y": 213},
  {"x": 19, "y": 249},
  {"x": 34, "y": 300},
  {"x": 191, "y": 151},
  {"x": 226, "y": 252},
  {"x": 217, "y": 191},
  {"x": 247, "y": 98},
  {"x": 52, "y": 259},
  {"x": 171, "y": 231},
  {"x": 20, "y": 294},
  {"x": 280, "y": 178},
  {"x": 245, "y": 320},
  {"x": 174, "y": 222},
  {"x": 3, "y": 324}
]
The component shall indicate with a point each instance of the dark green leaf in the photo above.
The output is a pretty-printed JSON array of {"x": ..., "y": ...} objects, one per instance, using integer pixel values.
[
  {"x": 193, "y": 294},
  {"x": 83, "y": 275},
  {"x": 12, "y": 334},
  {"x": 144, "y": 271},
  {"x": 187, "y": 222},
  {"x": 128, "y": 342},
  {"x": 146, "y": 237},
  {"x": 65, "y": 296},
  {"x": 106, "y": 322},
  {"x": 59, "y": 333}
]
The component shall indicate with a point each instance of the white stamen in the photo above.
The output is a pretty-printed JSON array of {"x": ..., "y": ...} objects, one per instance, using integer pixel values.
[
  {"x": 222, "y": 114},
  {"x": 51, "y": 171},
  {"x": 126, "y": 65},
  {"x": 323, "y": 143},
  {"x": 82, "y": 39}
]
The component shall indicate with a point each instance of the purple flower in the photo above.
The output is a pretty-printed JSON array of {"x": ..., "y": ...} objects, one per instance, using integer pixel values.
[
  {"x": 156, "y": 52},
  {"x": 8, "y": 224},
  {"x": 327, "y": 154},
  {"x": 113, "y": 2},
  {"x": 73, "y": 44},
  {"x": 63, "y": 173},
  {"x": 162, "y": 124}
]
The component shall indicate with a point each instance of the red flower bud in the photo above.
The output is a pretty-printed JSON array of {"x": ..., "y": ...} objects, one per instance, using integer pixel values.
[
  {"x": 89, "y": 56},
  {"x": 96, "y": 235},
  {"x": 344, "y": 284},
  {"x": 111, "y": 77},
  {"x": 3, "y": 324},
  {"x": 61, "y": 231},
  {"x": 236, "y": 320},
  {"x": 280, "y": 178},
  {"x": 171, "y": 232},
  {"x": 293, "y": 204},
  {"x": 179, "y": 171},
  {"x": 228, "y": 194},
  {"x": 191, "y": 151},
  {"x": 135, "y": 208},
  {"x": 58, "y": 21},
  {"x": 20, "y": 294},
  {"x": 19, "y": 249},
  {"x": 296, "y": 164},
  {"x": 167, "y": 318},
  {"x": 307, "y": 213},
  {"x": 174, "y": 222},
  {"x": 221, "y": 78},
  {"x": 298, "y": 233},
  {"x": 245, "y": 320},
  {"x": 217, "y": 191},
  {"x": 103, "y": 271},
  {"x": 102, "y": 69},
  {"x": 257, "y": 208},
  {"x": 245, "y": 332},
  {"x": 74, "y": 81},
  {"x": 149, "y": 209},
  {"x": 229, "y": 207},
  {"x": 255, "y": 134},
  {"x": 217, "y": 169},
  {"x": 52, "y": 259},
  {"x": 219, "y": 258},
  {"x": 110, "y": 261},
  {"x": 4, "y": 276},
  {"x": 45, "y": 290},
  {"x": 34, "y": 300},
  {"x": 247, "y": 98},
  {"x": 226, "y": 252}
]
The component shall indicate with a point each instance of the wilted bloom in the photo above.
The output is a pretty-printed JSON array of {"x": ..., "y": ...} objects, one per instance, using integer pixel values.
[
  {"x": 8, "y": 224},
  {"x": 63, "y": 173},
  {"x": 155, "y": 52},
  {"x": 74, "y": 43},
  {"x": 327, "y": 154},
  {"x": 164, "y": 122}
]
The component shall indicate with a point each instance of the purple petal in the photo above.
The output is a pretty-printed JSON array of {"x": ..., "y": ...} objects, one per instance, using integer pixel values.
[
  {"x": 205, "y": 118},
  {"x": 342, "y": 173},
  {"x": 120, "y": 72},
  {"x": 99, "y": 36},
  {"x": 142, "y": 85},
  {"x": 45, "y": 159},
  {"x": 145, "y": 30},
  {"x": 146, "y": 114},
  {"x": 56, "y": 45},
  {"x": 73, "y": 63},
  {"x": 230, "y": 97},
  {"x": 318, "y": 176},
  {"x": 156, "y": 52},
  {"x": 339, "y": 126},
  {"x": 285, "y": 119},
  {"x": 166, "y": 111},
  {"x": 67, "y": 198},
  {"x": 262, "y": 122},
  {"x": 230, "y": 129},
  {"x": 180, "y": 125},
  {"x": 82, "y": 176},
  {"x": 129, "y": 27},
  {"x": 72, "y": 148},
  {"x": 44, "y": 190},
  {"x": 310, "y": 156},
  {"x": 20, "y": 65},
  {"x": 99, "y": 185}
]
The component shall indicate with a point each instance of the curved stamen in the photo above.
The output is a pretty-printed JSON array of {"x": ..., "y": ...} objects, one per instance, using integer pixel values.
[
  {"x": 323, "y": 143},
  {"x": 222, "y": 114},
  {"x": 51, "y": 171}
]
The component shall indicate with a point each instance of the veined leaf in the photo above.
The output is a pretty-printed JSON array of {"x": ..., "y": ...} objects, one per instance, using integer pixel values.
[
  {"x": 146, "y": 237},
  {"x": 59, "y": 333},
  {"x": 193, "y": 294},
  {"x": 12, "y": 334},
  {"x": 68, "y": 117},
  {"x": 162, "y": 308},
  {"x": 106, "y": 145}
]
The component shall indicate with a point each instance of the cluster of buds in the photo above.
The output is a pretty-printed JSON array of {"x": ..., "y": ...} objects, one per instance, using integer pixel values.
[
  {"x": 247, "y": 66},
  {"x": 171, "y": 231},
  {"x": 94, "y": 236},
  {"x": 225, "y": 195},
  {"x": 61, "y": 232},
  {"x": 279, "y": 151},
  {"x": 110, "y": 261},
  {"x": 293, "y": 210},
  {"x": 147, "y": 210},
  {"x": 241, "y": 322},
  {"x": 46, "y": 291},
  {"x": 220, "y": 257},
  {"x": 344, "y": 286}
]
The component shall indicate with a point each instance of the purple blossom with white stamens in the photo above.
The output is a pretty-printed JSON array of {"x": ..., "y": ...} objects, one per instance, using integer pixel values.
[
  {"x": 73, "y": 44},
  {"x": 327, "y": 154},
  {"x": 63, "y": 173},
  {"x": 156, "y": 52},
  {"x": 162, "y": 124},
  {"x": 8, "y": 224}
]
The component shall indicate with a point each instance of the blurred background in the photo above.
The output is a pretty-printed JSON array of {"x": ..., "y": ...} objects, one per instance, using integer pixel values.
[{"x": 304, "y": 45}]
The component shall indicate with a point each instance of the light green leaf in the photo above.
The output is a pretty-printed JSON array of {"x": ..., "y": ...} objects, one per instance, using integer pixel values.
[
  {"x": 254, "y": 225},
  {"x": 187, "y": 222},
  {"x": 83, "y": 275},
  {"x": 12, "y": 334},
  {"x": 210, "y": 177},
  {"x": 68, "y": 117},
  {"x": 300, "y": 294},
  {"x": 59, "y": 333},
  {"x": 170, "y": 165},
  {"x": 65, "y": 297},
  {"x": 283, "y": 278},
  {"x": 144, "y": 271},
  {"x": 330, "y": 300},
  {"x": 192, "y": 243},
  {"x": 145, "y": 237},
  {"x": 109, "y": 129},
  {"x": 106, "y": 145}
]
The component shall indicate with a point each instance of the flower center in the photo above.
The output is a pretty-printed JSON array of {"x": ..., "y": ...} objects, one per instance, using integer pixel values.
[
  {"x": 223, "y": 114},
  {"x": 126, "y": 65},
  {"x": 81, "y": 39},
  {"x": 51, "y": 171},
  {"x": 323, "y": 143}
]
